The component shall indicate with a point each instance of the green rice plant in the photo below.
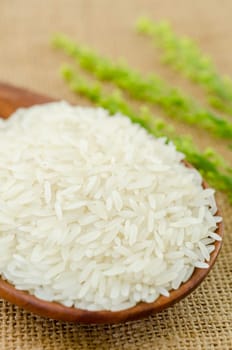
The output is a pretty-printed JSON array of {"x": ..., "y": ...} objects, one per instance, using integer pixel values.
[
  {"x": 150, "y": 89},
  {"x": 184, "y": 56}
]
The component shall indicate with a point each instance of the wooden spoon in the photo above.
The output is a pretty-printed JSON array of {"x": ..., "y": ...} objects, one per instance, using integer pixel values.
[{"x": 12, "y": 98}]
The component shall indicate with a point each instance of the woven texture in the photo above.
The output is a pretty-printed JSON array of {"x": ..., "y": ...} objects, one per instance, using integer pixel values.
[{"x": 201, "y": 321}]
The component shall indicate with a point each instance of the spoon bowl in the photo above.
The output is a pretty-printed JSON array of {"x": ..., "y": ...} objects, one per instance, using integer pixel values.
[{"x": 12, "y": 98}]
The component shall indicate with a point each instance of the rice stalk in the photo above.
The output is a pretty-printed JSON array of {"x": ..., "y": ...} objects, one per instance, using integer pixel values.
[
  {"x": 151, "y": 89},
  {"x": 185, "y": 56}
]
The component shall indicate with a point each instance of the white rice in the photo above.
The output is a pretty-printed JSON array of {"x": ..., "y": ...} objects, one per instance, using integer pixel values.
[{"x": 96, "y": 213}]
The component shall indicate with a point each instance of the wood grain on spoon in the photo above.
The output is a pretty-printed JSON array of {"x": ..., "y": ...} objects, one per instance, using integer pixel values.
[{"x": 12, "y": 98}]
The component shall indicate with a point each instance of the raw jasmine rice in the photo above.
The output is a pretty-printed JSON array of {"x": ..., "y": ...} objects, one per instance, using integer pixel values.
[{"x": 95, "y": 212}]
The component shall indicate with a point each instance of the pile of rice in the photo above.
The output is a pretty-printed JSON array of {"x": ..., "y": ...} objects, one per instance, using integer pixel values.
[{"x": 95, "y": 212}]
